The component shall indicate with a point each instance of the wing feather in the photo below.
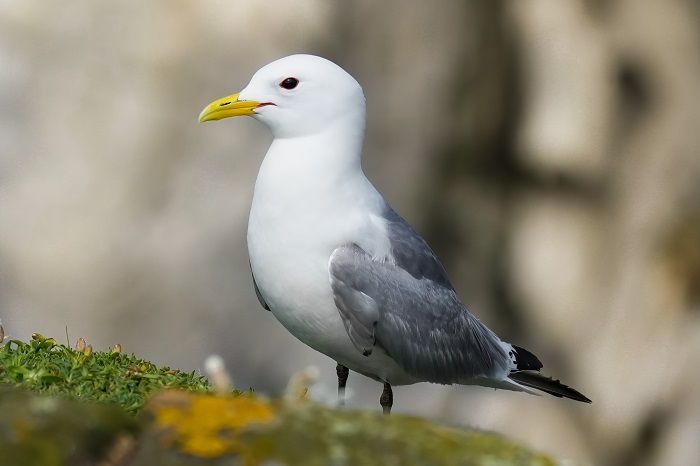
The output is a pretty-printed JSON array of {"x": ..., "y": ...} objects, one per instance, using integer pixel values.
[
  {"x": 261, "y": 300},
  {"x": 418, "y": 321}
]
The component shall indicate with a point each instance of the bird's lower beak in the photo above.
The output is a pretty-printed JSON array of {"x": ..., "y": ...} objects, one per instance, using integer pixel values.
[{"x": 227, "y": 107}]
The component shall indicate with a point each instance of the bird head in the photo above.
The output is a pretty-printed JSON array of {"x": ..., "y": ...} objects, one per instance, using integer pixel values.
[{"x": 296, "y": 96}]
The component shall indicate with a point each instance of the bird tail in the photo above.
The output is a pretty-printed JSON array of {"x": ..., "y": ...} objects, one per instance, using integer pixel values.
[{"x": 536, "y": 380}]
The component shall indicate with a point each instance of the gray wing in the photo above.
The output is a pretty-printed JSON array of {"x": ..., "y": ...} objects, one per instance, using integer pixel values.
[
  {"x": 257, "y": 291},
  {"x": 408, "y": 307},
  {"x": 411, "y": 252}
]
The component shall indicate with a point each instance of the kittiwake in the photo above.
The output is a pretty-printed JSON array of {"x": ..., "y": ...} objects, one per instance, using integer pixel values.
[{"x": 337, "y": 266}]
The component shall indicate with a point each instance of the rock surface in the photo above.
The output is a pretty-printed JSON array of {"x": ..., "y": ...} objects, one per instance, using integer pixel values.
[{"x": 186, "y": 428}]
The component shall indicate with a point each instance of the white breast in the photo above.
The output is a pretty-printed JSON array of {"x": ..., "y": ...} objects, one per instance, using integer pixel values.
[{"x": 304, "y": 207}]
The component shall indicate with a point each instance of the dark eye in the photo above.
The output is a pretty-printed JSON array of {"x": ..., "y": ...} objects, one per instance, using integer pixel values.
[{"x": 289, "y": 83}]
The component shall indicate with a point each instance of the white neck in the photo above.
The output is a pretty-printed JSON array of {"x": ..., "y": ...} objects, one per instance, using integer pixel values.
[
  {"x": 313, "y": 184},
  {"x": 305, "y": 168},
  {"x": 311, "y": 197}
]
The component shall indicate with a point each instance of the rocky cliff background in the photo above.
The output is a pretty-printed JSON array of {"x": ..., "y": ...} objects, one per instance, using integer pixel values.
[{"x": 548, "y": 150}]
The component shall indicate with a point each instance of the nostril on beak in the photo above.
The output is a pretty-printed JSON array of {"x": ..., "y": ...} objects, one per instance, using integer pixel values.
[{"x": 224, "y": 104}]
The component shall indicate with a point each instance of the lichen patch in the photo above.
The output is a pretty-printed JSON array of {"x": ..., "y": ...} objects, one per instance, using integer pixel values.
[{"x": 207, "y": 425}]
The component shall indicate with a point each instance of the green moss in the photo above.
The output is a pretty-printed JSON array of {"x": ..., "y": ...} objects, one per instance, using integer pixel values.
[{"x": 45, "y": 366}]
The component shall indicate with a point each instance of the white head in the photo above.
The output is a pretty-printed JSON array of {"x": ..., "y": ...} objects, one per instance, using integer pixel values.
[{"x": 297, "y": 96}]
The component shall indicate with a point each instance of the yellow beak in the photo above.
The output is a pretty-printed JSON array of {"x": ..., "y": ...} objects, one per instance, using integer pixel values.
[{"x": 227, "y": 107}]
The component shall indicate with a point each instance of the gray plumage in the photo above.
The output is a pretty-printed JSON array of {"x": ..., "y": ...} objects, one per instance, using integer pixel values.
[{"x": 406, "y": 305}]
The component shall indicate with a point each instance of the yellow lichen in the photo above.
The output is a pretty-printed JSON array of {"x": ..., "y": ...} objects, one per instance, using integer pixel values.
[{"x": 207, "y": 425}]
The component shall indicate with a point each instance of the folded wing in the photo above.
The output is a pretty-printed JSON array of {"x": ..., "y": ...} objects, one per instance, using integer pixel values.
[{"x": 418, "y": 321}]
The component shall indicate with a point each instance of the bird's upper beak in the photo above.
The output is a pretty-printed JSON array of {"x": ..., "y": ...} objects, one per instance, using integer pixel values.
[{"x": 227, "y": 107}]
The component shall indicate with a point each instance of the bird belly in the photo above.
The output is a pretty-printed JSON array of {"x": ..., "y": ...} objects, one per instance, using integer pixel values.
[
  {"x": 290, "y": 266},
  {"x": 300, "y": 297}
]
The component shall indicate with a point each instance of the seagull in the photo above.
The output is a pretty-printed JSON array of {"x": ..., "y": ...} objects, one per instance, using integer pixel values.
[{"x": 337, "y": 266}]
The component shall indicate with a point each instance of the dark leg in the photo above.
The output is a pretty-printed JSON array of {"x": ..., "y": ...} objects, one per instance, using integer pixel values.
[
  {"x": 342, "y": 372},
  {"x": 387, "y": 399}
]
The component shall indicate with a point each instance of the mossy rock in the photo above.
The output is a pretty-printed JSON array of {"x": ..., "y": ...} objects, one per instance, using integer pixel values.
[
  {"x": 60, "y": 406},
  {"x": 48, "y": 431},
  {"x": 186, "y": 429},
  {"x": 180, "y": 428}
]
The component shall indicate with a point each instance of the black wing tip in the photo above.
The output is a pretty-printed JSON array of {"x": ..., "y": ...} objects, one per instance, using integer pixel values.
[
  {"x": 525, "y": 360},
  {"x": 548, "y": 385}
]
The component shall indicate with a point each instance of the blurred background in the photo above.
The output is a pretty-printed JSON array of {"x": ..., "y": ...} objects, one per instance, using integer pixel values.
[{"x": 548, "y": 150}]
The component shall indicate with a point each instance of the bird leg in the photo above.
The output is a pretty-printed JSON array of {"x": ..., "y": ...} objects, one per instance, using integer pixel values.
[
  {"x": 342, "y": 372},
  {"x": 387, "y": 399}
]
